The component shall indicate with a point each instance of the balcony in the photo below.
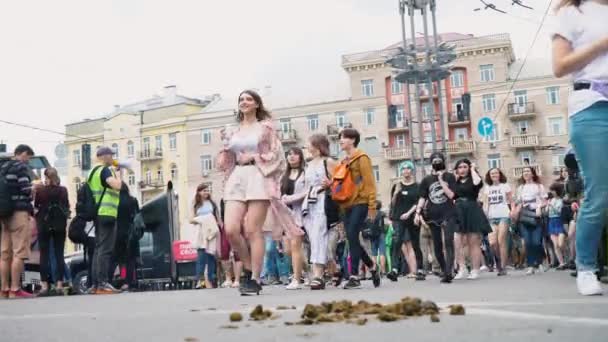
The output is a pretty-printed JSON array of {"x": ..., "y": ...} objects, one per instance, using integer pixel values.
[
  {"x": 397, "y": 153},
  {"x": 461, "y": 147},
  {"x": 153, "y": 185},
  {"x": 459, "y": 119},
  {"x": 395, "y": 125},
  {"x": 519, "y": 169},
  {"x": 147, "y": 155},
  {"x": 334, "y": 130},
  {"x": 288, "y": 137},
  {"x": 519, "y": 111},
  {"x": 524, "y": 140}
]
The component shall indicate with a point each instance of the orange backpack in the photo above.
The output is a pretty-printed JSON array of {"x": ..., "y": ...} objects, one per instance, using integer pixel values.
[{"x": 343, "y": 186}]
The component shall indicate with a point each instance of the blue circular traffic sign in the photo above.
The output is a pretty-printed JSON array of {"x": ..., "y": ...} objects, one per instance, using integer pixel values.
[{"x": 485, "y": 127}]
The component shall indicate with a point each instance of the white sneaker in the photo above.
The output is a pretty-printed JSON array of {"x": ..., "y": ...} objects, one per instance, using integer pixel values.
[
  {"x": 587, "y": 283},
  {"x": 542, "y": 268},
  {"x": 294, "y": 285},
  {"x": 474, "y": 275},
  {"x": 461, "y": 275},
  {"x": 483, "y": 268},
  {"x": 227, "y": 284},
  {"x": 530, "y": 271}
]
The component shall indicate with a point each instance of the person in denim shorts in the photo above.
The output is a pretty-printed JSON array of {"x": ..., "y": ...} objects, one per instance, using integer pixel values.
[{"x": 497, "y": 199}]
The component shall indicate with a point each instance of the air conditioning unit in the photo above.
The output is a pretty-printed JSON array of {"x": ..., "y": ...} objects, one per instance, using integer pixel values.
[
  {"x": 506, "y": 131},
  {"x": 205, "y": 174},
  {"x": 492, "y": 144}
]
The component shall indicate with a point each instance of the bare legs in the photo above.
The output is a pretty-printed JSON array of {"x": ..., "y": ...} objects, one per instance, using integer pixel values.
[{"x": 255, "y": 214}]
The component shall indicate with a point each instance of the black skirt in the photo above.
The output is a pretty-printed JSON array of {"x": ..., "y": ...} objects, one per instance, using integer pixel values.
[{"x": 471, "y": 218}]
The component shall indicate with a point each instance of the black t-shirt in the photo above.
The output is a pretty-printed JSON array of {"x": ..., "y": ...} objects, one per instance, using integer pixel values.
[
  {"x": 439, "y": 206},
  {"x": 405, "y": 198},
  {"x": 105, "y": 174},
  {"x": 466, "y": 189}
]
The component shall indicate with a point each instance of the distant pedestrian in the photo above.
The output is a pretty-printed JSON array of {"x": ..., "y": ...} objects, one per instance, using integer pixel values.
[
  {"x": 52, "y": 212},
  {"x": 15, "y": 227},
  {"x": 498, "y": 198}
]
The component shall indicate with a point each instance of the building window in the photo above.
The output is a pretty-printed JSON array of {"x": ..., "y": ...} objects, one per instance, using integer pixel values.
[
  {"x": 115, "y": 151},
  {"x": 487, "y": 72},
  {"x": 206, "y": 164},
  {"x": 76, "y": 158},
  {"x": 426, "y": 111},
  {"x": 148, "y": 174},
  {"x": 131, "y": 178},
  {"x": 341, "y": 119},
  {"x": 557, "y": 160},
  {"x": 209, "y": 186},
  {"x": 456, "y": 105},
  {"x": 555, "y": 126},
  {"x": 146, "y": 147},
  {"x": 457, "y": 79},
  {"x": 523, "y": 127},
  {"x": 553, "y": 95},
  {"x": 461, "y": 133},
  {"x": 159, "y": 142},
  {"x": 396, "y": 87},
  {"x": 521, "y": 97},
  {"x": 172, "y": 141},
  {"x": 526, "y": 157},
  {"x": 377, "y": 173},
  {"x": 494, "y": 161},
  {"x": 173, "y": 170},
  {"x": 334, "y": 149},
  {"x": 205, "y": 137},
  {"x": 130, "y": 149},
  {"x": 313, "y": 122},
  {"x": 489, "y": 103},
  {"x": 285, "y": 125},
  {"x": 370, "y": 116},
  {"x": 367, "y": 88},
  {"x": 400, "y": 141}
]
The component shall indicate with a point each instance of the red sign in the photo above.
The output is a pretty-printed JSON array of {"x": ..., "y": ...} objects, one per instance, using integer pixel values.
[{"x": 183, "y": 251}]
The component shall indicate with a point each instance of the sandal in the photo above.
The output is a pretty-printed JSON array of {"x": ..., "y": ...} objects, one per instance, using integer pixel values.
[
  {"x": 317, "y": 284},
  {"x": 337, "y": 279}
]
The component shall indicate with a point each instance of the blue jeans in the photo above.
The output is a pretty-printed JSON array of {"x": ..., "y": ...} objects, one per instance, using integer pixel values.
[
  {"x": 275, "y": 265},
  {"x": 379, "y": 245},
  {"x": 533, "y": 238},
  {"x": 589, "y": 138},
  {"x": 205, "y": 261},
  {"x": 354, "y": 221}
]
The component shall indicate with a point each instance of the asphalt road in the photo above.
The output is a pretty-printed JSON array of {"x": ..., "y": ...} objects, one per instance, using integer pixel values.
[{"x": 543, "y": 307}]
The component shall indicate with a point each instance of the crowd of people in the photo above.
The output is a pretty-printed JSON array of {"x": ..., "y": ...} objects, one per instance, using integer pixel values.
[{"x": 316, "y": 221}]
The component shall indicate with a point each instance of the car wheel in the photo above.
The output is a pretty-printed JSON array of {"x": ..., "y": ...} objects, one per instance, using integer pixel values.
[{"x": 80, "y": 282}]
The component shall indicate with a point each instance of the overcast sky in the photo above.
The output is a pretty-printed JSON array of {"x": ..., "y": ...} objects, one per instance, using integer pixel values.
[{"x": 66, "y": 60}]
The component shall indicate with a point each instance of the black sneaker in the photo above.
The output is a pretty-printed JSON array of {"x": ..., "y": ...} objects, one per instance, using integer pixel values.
[
  {"x": 352, "y": 283},
  {"x": 250, "y": 287},
  {"x": 446, "y": 279},
  {"x": 376, "y": 278},
  {"x": 392, "y": 275},
  {"x": 420, "y": 275},
  {"x": 502, "y": 272}
]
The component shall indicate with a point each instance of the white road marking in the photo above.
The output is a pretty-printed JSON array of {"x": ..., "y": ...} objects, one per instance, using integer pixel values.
[{"x": 535, "y": 316}]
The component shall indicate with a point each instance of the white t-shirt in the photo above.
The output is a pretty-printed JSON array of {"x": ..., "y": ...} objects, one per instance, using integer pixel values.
[
  {"x": 529, "y": 194},
  {"x": 497, "y": 200},
  {"x": 583, "y": 26}
]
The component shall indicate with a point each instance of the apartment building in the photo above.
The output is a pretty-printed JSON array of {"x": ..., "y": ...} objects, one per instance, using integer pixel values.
[{"x": 148, "y": 135}]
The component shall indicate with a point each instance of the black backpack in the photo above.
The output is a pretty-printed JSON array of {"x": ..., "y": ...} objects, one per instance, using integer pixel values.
[
  {"x": 7, "y": 205},
  {"x": 86, "y": 207},
  {"x": 86, "y": 211},
  {"x": 56, "y": 215},
  {"x": 332, "y": 210}
]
